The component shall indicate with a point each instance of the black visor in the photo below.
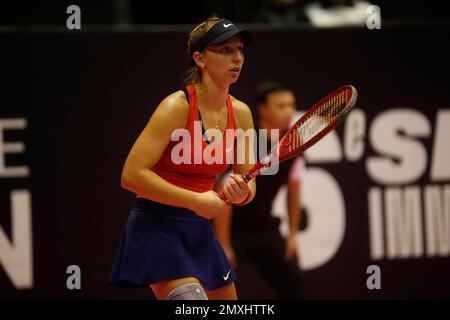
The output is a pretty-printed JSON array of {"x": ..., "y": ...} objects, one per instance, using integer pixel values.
[{"x": 219, "y": 33}]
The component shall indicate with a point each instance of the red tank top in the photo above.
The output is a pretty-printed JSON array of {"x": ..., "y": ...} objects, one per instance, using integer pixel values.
[{"x": 199, "y": 177}]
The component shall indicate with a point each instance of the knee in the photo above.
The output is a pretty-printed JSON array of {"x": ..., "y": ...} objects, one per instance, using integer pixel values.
[{"x": 188, "y": 291}]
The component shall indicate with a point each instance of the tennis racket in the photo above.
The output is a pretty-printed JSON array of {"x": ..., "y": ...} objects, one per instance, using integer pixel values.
[{"x": 318, "y": 121}]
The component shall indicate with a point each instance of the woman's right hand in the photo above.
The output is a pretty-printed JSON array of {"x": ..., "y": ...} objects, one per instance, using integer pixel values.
[{"x": 209, "y": 205}]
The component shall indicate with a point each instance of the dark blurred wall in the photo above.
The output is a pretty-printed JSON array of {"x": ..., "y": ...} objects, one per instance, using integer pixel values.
[
  {"x": 111, "y": 12},
  {"x": 78, "y": 101}
]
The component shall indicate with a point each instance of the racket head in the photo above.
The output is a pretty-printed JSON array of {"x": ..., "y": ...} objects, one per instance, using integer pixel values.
[{"x": 319, "y": 120}]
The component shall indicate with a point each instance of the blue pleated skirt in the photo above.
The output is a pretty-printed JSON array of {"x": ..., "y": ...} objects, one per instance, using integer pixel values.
[{"x": 162, "y": 242}]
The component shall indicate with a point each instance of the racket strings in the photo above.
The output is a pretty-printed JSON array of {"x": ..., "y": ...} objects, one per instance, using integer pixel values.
[{"x": 328, "y": 112}]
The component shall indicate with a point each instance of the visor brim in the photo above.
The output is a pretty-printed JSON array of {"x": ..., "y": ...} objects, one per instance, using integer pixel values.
[{"x": 246, "y": 36}]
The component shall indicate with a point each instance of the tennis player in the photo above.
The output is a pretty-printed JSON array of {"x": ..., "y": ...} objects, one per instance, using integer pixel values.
[{"x": 169, "y": 243}]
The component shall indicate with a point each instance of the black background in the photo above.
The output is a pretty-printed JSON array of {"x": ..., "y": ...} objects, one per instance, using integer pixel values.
[{"x": 87, "y": 96}]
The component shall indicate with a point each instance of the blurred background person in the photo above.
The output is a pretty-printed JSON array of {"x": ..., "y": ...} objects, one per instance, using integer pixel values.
[
  {"x": 280, "y": 12},
  {"x": 250, "y": 232},
  {"x": 338, "y": 13}
]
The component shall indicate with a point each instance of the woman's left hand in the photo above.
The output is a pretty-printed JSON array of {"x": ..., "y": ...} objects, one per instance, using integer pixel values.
[{"x": 235, "y": 189}]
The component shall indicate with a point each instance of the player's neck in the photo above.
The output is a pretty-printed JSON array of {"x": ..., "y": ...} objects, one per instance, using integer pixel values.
[
  {"x": 263, "y": 124},
  {"x": 211, "y": 95}
]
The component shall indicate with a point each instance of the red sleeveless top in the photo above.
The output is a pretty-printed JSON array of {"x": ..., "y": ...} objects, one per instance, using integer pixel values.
[{"x": 198, "y": 172}]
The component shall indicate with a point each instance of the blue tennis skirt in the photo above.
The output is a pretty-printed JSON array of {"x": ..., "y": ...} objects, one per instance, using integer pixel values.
[{"x": 162, "y": 242}]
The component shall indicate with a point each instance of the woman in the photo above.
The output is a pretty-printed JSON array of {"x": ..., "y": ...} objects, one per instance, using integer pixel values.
[{"x": 169, "y": 242}]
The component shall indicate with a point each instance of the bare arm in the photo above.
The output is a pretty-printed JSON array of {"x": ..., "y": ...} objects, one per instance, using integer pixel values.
[
  {"x": 137, "y": 175},
  {"x": 236, "y": 189},
  {"x": 294, "y": 208},
  {"x": 293, "y": 203}
]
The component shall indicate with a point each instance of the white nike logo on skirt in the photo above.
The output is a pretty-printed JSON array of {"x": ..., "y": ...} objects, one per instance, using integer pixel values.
[{"x": 226, "y": 277}]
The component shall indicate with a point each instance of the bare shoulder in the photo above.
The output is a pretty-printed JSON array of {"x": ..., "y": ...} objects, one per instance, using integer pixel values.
[
  {"x": 175, "y": 103},
  {"x": 239, "y": 106},
  {"x": 174, "y": 109},
  {"x": 242, "y": 112}
]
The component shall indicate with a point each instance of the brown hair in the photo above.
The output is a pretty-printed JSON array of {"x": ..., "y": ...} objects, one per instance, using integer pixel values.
[{"x": 194, "y": 74}]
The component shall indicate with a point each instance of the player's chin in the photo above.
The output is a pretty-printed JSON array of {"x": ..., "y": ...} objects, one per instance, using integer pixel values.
[
  {"x": 232, "y": 76},
  {"x": 231, "y": 80}
]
